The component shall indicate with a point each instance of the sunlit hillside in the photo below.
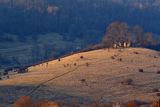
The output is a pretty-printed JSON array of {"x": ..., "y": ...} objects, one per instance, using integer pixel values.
[{"x": 108, "y": 75}]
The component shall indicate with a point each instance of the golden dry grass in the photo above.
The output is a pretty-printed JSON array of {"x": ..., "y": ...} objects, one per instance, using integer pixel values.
[{"x": 103, "y": 75}]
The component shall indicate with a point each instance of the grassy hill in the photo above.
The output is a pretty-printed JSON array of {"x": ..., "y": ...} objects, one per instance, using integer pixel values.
[{"x": 107, "y": 75}]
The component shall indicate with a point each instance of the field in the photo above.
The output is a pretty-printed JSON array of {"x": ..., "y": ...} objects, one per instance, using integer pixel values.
[{"x": 114, "y": 75}]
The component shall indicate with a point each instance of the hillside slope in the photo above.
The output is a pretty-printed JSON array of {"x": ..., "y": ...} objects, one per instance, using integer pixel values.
[{"x": 97, "y": 74}]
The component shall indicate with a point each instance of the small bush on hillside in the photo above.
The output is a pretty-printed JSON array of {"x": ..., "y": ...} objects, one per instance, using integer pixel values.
[
  {"x": 132, "y": 104},
  {"x": 83, "y": 80},
  {"x": 112, "y": 57},
  {"x": 46, "y": 104},
  {"x": 87, "y": 64},
  {"x": 158, "y": 94},
  {"x": 128, "y": 81},
  {"x": 75, "y": 64},
  {"x": 135, "y": 52},
  {"x": 24, "y": 101},
  {"x": 155, "y": 57},
  {"x": 59, "y": 59},
  {"x": 81, "y": 57},
  {"x": 120, "y": 59},
  {"x": 158, "y": 72},
  {"x": 155, "y": 90},
  {"x": 141, "y": 70}
]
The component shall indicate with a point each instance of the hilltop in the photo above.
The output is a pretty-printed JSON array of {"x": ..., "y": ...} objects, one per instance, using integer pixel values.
[{"x": 108, "y": 75}]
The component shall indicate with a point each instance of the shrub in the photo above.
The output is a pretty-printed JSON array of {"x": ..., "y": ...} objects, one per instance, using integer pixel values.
[
  {"x": 158, "y": 72},
  {"x": 155, "y": 56},
  {"x": 87, "y": 64},
  {"x": 158, "y": 94},
  {"x": 24, "y": 101},
  {"x": 155, "y": 90},
  {"x": 83, "y": 80},
  {"x": 59, "y": 59},
  {"x": 141, "y": 70},
  {"x": 75, "y": 64},
  {"x": 81, "y": 57},
  {"x": 112, "y": 57},
  {"x": 128, "y": 81},
  {"x": 46, "y": 104},
  {"x": 120, "y": 59},
  {"x": 135, "y": 52},
  {"x": 132, "y": 104}
]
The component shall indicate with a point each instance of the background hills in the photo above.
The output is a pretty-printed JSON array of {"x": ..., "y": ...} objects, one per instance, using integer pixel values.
[{"x": 34, "y": 30}]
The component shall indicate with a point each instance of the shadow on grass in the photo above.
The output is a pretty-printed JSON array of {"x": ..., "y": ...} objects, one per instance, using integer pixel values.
[{"x": 10, "y": 94}]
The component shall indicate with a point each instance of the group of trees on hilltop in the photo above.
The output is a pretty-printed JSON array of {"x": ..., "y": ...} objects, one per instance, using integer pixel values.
[{"x": 121, "y": 32}]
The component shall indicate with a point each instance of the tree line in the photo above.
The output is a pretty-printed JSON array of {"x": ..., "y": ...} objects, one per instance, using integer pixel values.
[{"x": 122, "y": 32}]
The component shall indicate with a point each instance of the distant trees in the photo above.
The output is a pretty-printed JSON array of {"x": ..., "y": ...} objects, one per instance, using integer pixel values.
[
  {"x": 116, "y": 32},
  {"x": 49, "y": 51},
  {"x": 121, "y": 32}
]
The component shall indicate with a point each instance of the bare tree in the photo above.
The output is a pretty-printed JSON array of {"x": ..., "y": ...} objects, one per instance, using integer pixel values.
[
  {"x": 138, "y": 34},
  {"x": 116, "y": 32}
]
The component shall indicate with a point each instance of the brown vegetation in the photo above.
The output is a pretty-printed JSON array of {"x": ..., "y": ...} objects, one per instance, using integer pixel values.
[
  {"x": 26, "y": 101},
  {"x": 155, "y": 90},
  {"x": 158, "y": 72},
  {"x": 120, "y": 32},
  {"x": 128, "y": 81},
  {"x": 81, "y": 57},
  {"x": 141, "y": 70}
]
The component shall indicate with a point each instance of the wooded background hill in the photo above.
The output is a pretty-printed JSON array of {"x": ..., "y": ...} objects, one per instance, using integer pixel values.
[{"x": 27, "y": 27}]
